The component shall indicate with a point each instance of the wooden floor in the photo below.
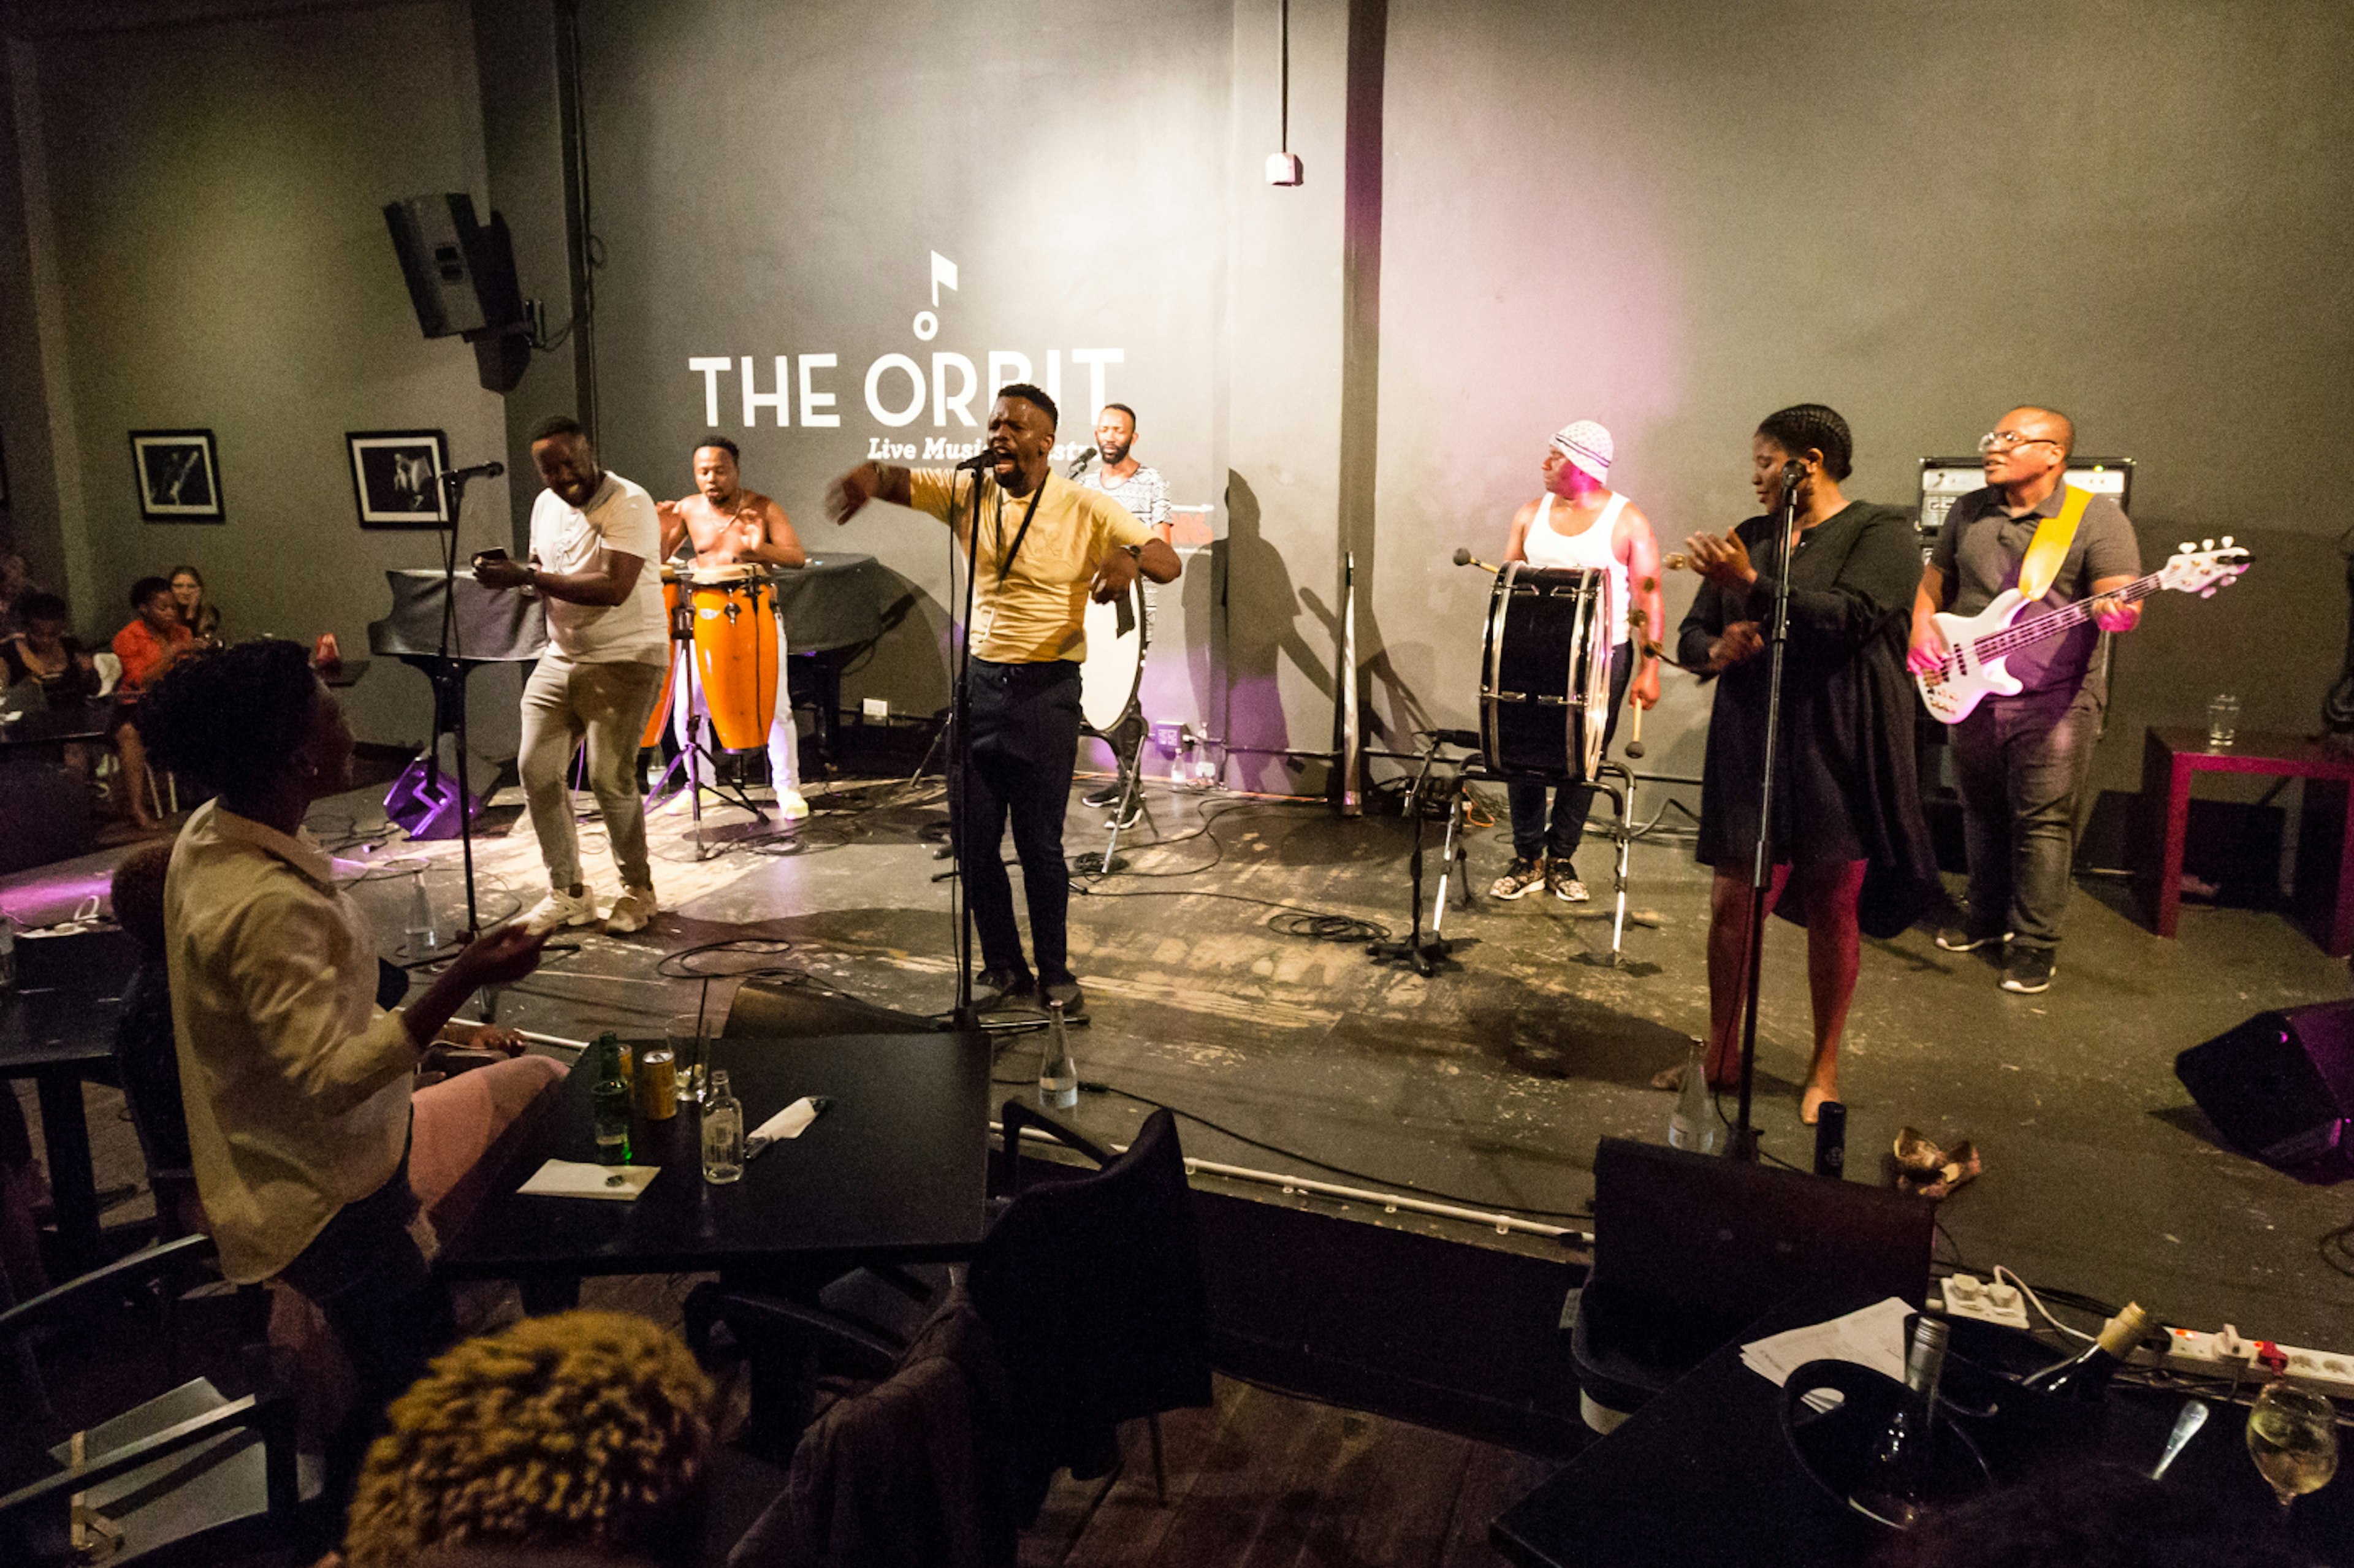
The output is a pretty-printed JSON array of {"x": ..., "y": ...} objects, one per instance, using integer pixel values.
[{"x": 1261, "y": 1479}]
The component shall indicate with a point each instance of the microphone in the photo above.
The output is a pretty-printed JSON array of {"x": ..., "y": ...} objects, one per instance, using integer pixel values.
[
  {"x": 979, "y": 462},
  {"x": 479, "y": 470},
  {"x": 1466, "y": 558},
  {"x": 1080, "y": 463},
  {"x": 1793, "y": 471}
]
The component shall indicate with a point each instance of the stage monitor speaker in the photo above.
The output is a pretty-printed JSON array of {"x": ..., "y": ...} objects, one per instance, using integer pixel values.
[
  {"x": 441, "y": 250},
  {"x": 2281, "y": 1087}
]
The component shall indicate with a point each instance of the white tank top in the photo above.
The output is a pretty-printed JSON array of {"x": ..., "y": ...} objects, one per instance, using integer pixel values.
[{"x": 1590, "y": 550}]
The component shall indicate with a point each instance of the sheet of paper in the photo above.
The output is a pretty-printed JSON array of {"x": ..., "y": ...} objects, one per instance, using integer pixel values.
[
  {"x": 578, "y": 1179},
  {"x": 1871, "y": 1337},
  {"x": 789, "y": 1122}
]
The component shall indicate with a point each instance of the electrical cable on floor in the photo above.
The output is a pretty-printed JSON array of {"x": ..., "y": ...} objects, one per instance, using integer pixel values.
[
  {"x": 1318, "y": 925},
  {"x": 2338, "y": 1249}
]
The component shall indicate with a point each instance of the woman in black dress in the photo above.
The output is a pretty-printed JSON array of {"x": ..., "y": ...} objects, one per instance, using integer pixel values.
[{"x": 1848, "y": 840}]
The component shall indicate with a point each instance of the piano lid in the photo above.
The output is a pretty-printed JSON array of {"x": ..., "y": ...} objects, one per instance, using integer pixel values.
[{"x": 491, "y": 625}]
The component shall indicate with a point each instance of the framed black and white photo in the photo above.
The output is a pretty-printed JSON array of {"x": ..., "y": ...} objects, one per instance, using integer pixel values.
[
  {"x": 178, "y": 473},
  {"x": 397, "y": 477}
]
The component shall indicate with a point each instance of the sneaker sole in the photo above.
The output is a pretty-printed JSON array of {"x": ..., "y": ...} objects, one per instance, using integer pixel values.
[
  {"x": 2018, "y": 990},
  {"x": 1972, "y": 945},
  {"x": 1516, "y": 894},
  {"x": 1566, "y": 897}
]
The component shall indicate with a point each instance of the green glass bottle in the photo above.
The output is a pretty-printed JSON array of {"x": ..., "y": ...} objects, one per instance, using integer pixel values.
[{"x": 608, "y": 1098}]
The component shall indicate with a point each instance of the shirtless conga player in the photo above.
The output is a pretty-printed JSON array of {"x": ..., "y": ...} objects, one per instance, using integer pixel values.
[{"x": 729, "y": 525}]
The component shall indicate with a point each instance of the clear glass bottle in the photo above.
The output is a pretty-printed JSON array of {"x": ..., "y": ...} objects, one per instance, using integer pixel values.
[
  {"x": 608, "y": 1101},
  {"x": 1694, "y": 1124},
  {"x": 723, "y": 1132},
  {"x": 422, "y": 938},
  {"x": 1896, "y": 1474},
  {"x": 1058, "y": 1076}
]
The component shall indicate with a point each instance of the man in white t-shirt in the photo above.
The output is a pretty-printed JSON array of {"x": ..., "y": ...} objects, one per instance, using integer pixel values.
[{"x": 594, "y": 537}]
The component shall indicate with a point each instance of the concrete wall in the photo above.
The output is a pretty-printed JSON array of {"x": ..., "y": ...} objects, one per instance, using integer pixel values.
[
  {"x": 1654, "y": 217},
  {"x": 203, "y": 204}
]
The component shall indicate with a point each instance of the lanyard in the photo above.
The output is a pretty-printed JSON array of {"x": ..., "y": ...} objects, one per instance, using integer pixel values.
[{"x": 1004, "y": 556}]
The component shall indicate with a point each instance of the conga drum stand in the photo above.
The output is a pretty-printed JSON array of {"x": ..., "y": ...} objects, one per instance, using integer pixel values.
[
  {"x": 696, "y": 751},
  {"x": 1425, "y": 954},
  {"x": 1131, "y": 780}
]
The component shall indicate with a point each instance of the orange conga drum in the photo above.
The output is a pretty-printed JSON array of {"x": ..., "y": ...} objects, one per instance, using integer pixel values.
[
  {"x": 660, "y": 715},
  {"x": 736, "y": 651}
]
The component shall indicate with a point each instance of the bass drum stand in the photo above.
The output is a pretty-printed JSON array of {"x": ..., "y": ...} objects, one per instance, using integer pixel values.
[
  {"x": 1126, "y": 809},
  {"x": 1426, "y": 953}
]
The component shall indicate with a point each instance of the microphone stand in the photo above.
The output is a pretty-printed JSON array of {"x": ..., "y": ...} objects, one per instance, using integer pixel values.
[
  {"x": 449, "y": 694},
  {"x": 961, "y": 758},
  {"x": 1761, "y": 869}
]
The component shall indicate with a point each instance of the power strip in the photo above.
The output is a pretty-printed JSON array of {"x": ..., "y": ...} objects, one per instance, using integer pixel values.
[
  {"x": 1967, "y": 1296},
  {"x": 2222, "y": 1355}
]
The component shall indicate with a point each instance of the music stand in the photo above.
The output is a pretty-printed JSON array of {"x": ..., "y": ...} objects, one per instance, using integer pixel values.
[{"x": 1425, "y": 954}]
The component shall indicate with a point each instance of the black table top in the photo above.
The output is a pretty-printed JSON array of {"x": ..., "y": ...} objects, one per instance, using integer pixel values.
[
  {"x": 59, "y": 723},
  {"x": 894, "y": 1171},
  {"x": 1701, "y": 1475},
  {"x": 44, "y": 1031}
]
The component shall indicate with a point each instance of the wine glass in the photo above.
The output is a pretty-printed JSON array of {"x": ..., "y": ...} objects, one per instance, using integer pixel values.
[{"x": 2293, "y": 1437}]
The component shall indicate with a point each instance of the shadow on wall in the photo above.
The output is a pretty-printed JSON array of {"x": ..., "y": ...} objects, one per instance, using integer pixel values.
[{"x": 1262, "y": 632}]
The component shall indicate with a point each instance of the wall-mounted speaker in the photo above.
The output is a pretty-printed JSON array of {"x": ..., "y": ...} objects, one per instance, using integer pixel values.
[
  {"x": 462, "y": 279},
  {"x": 2281, "y": 1087}
]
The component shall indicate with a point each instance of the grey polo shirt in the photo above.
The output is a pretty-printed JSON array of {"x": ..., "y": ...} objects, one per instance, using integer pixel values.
[{"x": 1979, "y": 551}]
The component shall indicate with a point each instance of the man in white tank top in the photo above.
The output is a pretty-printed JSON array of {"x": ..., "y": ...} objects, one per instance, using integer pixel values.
[{"x": 1579, "y": 522}]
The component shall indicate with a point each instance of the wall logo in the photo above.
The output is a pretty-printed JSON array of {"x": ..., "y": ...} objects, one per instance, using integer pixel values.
[{"x": 899, "y": 389}]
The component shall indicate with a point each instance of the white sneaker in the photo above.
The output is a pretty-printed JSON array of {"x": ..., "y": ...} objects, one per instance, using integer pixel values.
[
  {"x": 562, "y": 909},
  {"x": 632, "y": 910},
  {"x": 790, "y": 806}
]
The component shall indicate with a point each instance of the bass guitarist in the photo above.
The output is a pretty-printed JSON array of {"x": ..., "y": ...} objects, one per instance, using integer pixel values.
[{"x": 2022, "y": 760}]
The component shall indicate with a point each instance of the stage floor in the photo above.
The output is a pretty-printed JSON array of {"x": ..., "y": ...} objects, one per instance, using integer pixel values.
[{"x": 1492, "y": 1080}]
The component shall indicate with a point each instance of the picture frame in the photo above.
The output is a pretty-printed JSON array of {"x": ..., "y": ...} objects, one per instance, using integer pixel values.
[
  {"x": 397, "y": 477},
  {"x": 178, "y": 476}
]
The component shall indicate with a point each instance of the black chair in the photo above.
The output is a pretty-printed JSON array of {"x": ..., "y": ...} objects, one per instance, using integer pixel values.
[
  {"x": 188, "y": 1476},
  {"x": 1090, "y": 1288},
  {"x": 1688, "y": 1250}
]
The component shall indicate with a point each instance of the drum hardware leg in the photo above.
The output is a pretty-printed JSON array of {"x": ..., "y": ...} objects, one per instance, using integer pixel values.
[
  {"x": 1132, "y": 778},
  {"x": 1423, "y": 954}
]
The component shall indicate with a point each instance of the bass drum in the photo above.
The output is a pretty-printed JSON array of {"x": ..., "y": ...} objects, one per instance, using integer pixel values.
[
  {"x": 1544, "y": 672},
  {"x": 1117, "y": 635}
]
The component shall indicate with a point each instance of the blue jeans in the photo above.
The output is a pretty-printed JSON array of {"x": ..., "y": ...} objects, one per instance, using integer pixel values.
[
  {"x": 1533, "y": 836},
  {"x": 2021, "y": 763}
]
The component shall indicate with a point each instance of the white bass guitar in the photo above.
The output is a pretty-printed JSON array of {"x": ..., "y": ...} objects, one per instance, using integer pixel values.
[{"x": 1981, "y": 644}]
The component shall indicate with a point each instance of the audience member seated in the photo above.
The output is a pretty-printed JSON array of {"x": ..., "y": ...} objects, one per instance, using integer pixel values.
[
  {"x": 584, "y": 1436},
  {"x": 198, "y": 613},
  {"x": 15, "y": 586},
  {"x": 296, "y": 1085},
  {"x": 151, "y": 644},
  {"x": 47, "y": 652}
]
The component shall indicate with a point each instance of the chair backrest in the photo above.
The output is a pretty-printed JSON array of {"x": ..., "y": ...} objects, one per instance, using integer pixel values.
[{"x": 1093, "y": 1291}]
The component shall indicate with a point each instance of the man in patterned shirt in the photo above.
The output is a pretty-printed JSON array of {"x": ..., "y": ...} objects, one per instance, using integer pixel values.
[{"x": 1146, "y": 495}]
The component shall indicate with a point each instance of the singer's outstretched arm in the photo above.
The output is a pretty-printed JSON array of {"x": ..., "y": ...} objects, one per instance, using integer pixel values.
[{"x": 867, "y": 481}]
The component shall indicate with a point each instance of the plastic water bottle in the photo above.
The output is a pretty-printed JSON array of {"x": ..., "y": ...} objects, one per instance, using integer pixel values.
[
  {"x": 723, "y": 1132},
  {"x": 1693, "y": 1123},
  {"x": 1058, "y": 1076},
  {"x": 422, "y": 938}
]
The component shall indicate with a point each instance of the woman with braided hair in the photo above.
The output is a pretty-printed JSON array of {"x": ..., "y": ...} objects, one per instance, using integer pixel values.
[
  {"x": 1847, "y": 840},
  {"x": 584, "y": 1435}
]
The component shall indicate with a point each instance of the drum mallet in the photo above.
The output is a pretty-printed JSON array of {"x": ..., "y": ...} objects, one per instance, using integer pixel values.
[
  {"x": 1641, "y": 623},
  {"x": 1466, "y": 558}
]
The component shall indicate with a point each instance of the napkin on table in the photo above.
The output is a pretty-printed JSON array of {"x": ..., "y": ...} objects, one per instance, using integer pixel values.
[{"x": 579, "y": 1179}]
